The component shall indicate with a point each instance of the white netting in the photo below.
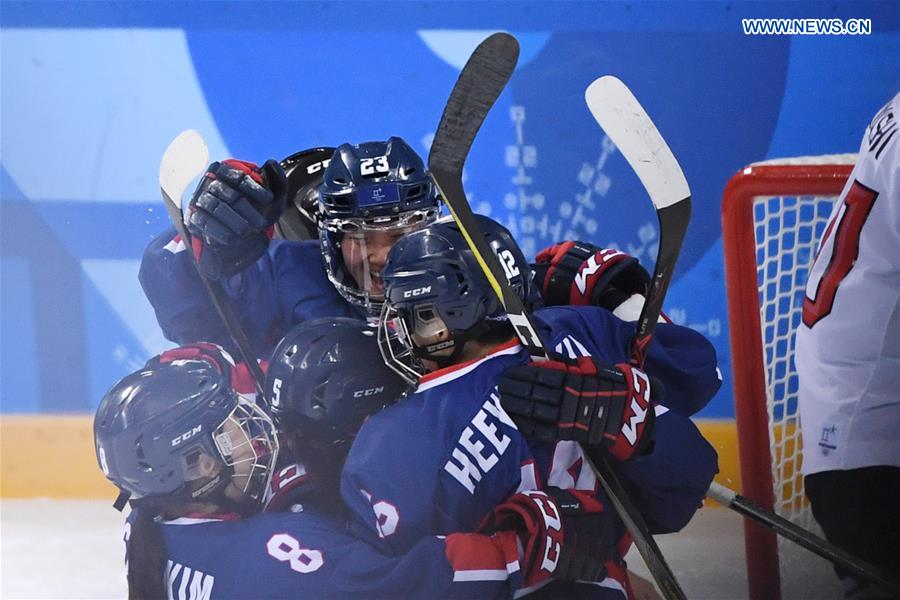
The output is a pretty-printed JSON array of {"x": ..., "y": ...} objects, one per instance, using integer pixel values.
[{"x": 787, "y": 230}]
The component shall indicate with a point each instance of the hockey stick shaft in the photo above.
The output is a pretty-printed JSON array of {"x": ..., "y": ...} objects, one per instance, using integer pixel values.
[
  {"x": 478, "y": 87},
  {"x": 813, "y": 543},
  {"x": 185, "y": 159}
]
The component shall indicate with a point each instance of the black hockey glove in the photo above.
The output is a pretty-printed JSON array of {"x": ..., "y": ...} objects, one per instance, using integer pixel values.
[
  {"x": 585, "y": 401},
  {"x": 589, "y": 535},
  {"x": 579, "y": 273},
  {"x": 232, "y": 214}
]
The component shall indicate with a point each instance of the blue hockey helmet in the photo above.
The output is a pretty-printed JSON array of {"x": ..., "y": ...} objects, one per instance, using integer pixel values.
[
  {"x": 371, "y": 194},
  {"x": 324, "y": 380},
  {"x": 437, "y": 297},
  {"x": 177, "y": 429}
]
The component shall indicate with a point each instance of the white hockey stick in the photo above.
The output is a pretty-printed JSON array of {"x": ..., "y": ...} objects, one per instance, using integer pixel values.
[
  {"x": 632, "y": 131},
  {"x": 184, "y": 159},
  {"x": 187, "y": 157}
]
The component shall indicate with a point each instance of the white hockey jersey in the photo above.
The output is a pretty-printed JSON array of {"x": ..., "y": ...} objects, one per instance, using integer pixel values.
[{"x": 848, "y": 346}]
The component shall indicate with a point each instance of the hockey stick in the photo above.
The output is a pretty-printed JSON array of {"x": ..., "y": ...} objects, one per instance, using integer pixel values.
[
  {"x": 627, "y": 124},
  {"x": 630, "y": 128},
  {"x": 813, "y": 543},
  {"x": 186, "y": 158},
  {"x": 477, "y": 89}
]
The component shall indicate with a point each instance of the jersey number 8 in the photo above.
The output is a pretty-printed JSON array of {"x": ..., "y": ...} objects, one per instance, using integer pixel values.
[{"x": 286, "y": 548}]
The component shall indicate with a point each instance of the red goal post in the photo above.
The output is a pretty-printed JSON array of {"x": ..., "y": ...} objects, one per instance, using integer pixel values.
[{"x": 773, "y": 214}]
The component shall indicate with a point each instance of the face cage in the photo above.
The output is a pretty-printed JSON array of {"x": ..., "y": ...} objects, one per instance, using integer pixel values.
[
  {"x": 332, "y": 234},
  {"x": 396, "y": 346},
  {"x": 247, "y": 443}
]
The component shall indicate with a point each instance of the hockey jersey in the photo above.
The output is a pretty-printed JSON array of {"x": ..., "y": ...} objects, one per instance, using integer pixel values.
[
  {"x": 848, "y": 345},
  {"x": 308, "y": 555},
  {"x": 287, "y": 286},
  {"x": 440, "y": 459}
]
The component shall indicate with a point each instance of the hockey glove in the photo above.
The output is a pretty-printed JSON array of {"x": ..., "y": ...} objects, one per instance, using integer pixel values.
[
  {"x": 585, "y": 401},
  {"x": 590, "y": 535},
  {"x": 236, "y": 372},
  {"x": 536, "y": 520},
  {"x": 232, "y": 214},
  {"x": 579, "y": 273}
]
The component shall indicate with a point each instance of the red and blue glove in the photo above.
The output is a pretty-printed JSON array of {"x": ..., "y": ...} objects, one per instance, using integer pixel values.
[
  {"x": 585, "y": 401},
  {"x": 236, "y": 372},
  {"x": 232, "y": 214},
  {"x": 578, "y": 273}
]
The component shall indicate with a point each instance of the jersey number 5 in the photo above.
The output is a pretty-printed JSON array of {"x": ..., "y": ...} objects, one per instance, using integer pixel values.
[{"x": 847, "y": 226}]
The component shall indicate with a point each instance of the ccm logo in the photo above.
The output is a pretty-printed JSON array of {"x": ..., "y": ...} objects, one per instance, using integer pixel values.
[
  {"x": 186, "y": 435},
  {"x": 368, "y": 392},
  {"x": 315, "y": 167},
  {"x": 417, "y": 292}
]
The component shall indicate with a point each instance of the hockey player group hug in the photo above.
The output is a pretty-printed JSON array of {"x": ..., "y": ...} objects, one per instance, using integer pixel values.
[{"x": 404, "y": 445}]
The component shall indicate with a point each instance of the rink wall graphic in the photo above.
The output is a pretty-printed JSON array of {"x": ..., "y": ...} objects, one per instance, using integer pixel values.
[{"x": 93, "y": 92}]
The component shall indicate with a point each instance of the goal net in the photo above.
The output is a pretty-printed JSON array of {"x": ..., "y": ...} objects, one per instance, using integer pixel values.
[{"x": 773, "y": 214}]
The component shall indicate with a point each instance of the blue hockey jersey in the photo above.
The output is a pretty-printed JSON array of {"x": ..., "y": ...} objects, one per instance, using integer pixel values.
[
  {"x": 440, "y": 459},
  {"x": 308, "y": 555},
  {"x": 287, "y": 286}
]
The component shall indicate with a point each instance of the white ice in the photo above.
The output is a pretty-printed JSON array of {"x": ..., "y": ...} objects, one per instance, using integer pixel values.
[{"x": 73, "y": 549}]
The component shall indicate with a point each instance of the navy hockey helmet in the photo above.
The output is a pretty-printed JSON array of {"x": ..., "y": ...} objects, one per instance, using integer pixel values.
[
  {"x": 371, "y": 194},
  {"x": 324, "y": 379},
  {"x": 437, "y": 297},
  {"x": 177, "y": 429}
]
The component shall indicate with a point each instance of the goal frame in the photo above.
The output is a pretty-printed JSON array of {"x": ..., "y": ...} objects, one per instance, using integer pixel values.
[{"x": 812, "y": 176}]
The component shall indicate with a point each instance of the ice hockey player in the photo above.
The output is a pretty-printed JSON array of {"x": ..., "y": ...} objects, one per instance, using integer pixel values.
[
  {"x": 371, "y": 194},
  {"x": 196, "y": 458},
  {"x": 459, "y": 451},
  {"x": 848, "y": 361},
  {"x": 320, "y": 390}
]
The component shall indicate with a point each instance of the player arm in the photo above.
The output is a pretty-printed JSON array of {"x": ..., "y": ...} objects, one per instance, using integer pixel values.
[
  {"x": 460, "y": 565},
  {"x": 581, "y": 274},
  {"x": 668, "y": 483},
  {"x": 183, "y": 308},
  {"x": 522, "y": 542},
  {"x": 681, "y": 358},
  {"x": 686, "y": 363}
]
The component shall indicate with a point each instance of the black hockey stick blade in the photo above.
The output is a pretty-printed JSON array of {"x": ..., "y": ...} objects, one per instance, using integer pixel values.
[
  {"x": 630, "y": 128},
  {"x": 183, "y": 161},
  {"x": 802, "y": 537},
  {"x": 479, "y": 85},
  {"x": 482, "y": 79}
]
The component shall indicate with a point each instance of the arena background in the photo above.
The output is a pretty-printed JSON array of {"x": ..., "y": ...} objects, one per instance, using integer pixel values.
[{"x": 92, "y": 93}]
